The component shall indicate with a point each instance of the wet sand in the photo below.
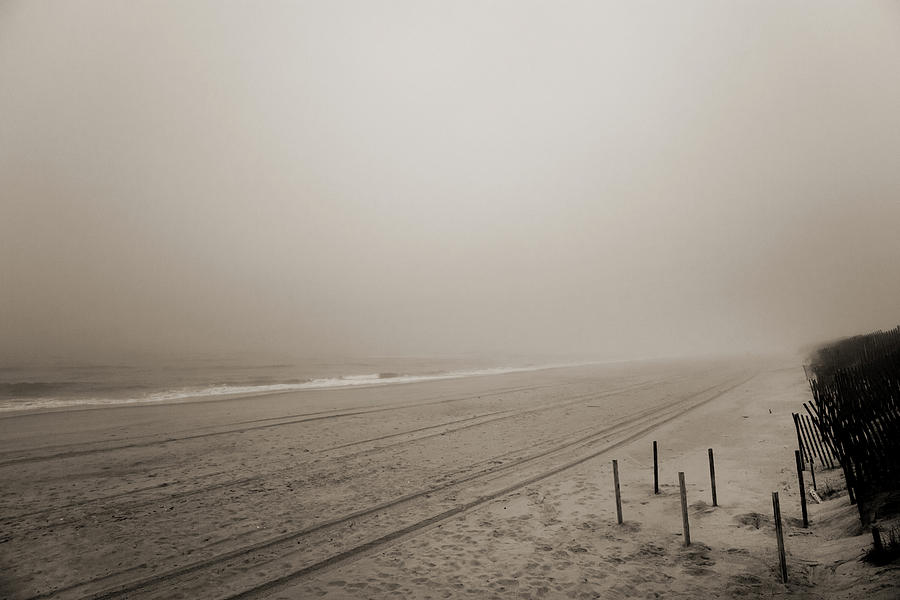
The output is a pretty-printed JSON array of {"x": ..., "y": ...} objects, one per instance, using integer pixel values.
[{"x": 486, "y": 487}]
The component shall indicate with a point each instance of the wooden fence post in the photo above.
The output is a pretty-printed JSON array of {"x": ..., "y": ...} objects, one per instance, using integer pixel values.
[
  {"x": 876, "y": 538},
  {"x": 684, "y": 510},
  {"x": 618, "y": 493},
  {"x": 779, "y": 534},
  {"x": 802, "y": 489},
  {"x": 712, "y": 476},
  {"x": 655, "y": 469}
]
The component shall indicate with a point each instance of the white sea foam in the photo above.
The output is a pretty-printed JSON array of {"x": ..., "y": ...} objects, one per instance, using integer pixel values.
[{"x": 345, "y": 381}]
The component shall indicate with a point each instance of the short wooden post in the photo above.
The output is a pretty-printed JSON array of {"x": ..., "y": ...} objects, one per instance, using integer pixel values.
[
  {"x": 655, "y": 469},
  {"x": 779, "y": 534},
  {"x": 618, "y": 493},
  {"x": 851, "y": 482},
  {"x": 802, "y": 488},
  {"x": 684, "y": 510},
  {"x": 876, "y": 538},
  {"x": 712, "y": 476},
  {"x": 812, "y": 473}
]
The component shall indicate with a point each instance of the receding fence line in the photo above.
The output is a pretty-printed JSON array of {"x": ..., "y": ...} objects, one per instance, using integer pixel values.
[
  {"x": 684, "y": 510},
  {"x": 712, "y": 476},
  {"x": 779, "y": 534},
  {"x": 856, "y": 412},
  {"x": 615, "y": 464}
]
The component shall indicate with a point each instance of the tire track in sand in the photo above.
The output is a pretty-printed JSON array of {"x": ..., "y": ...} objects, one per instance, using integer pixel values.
[
  {"x": 447, "y": 427},
  {"x": 302, "y": 418},
  {"x": 667, "y": 412}
]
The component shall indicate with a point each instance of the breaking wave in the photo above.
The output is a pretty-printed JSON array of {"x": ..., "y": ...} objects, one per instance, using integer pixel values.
[{"x": 36, "y": 395}]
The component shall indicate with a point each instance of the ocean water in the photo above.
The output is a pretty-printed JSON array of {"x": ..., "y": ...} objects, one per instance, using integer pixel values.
[{"x": 67, "y": 385}]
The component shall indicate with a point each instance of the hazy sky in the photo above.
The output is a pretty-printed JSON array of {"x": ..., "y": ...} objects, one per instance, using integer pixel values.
[{"x": 616, "y": 178}]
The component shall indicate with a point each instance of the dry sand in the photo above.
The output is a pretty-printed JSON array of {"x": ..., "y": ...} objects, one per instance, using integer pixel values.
[{"x": 487, "y": 487}]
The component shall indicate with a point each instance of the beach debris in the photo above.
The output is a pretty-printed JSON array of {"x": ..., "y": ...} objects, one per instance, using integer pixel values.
[{"x": 814, "y": 495}]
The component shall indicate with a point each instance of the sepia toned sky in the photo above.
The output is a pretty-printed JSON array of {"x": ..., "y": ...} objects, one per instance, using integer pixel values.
[{"x": 612, "y": 179}]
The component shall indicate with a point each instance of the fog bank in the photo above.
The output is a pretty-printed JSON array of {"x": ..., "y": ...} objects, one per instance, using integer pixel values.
[{"x": 616, "y": 179}]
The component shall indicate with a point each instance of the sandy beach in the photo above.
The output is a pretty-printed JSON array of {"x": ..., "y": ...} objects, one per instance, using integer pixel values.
[
  {"x": 482, "y": 487},
  {"x": 369, "y": 300}
]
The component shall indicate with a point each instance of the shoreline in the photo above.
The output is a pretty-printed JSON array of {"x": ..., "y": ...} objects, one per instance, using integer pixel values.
[{"x": 350, "y": 381}]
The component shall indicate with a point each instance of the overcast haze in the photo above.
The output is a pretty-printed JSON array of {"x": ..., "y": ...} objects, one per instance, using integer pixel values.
[{"x": 616, "y": 179}]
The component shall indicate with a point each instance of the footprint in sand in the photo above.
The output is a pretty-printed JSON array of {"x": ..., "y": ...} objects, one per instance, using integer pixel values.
[
  {"x": 616, "y": 532},
  {"x": 744, "y": 585},
  {"x": 701, "y": 506},
  {"x": 745, "y": 579},
  {"x": 753, "y": 519},
  {"x": 695, "y": 560},
  {"x": 648, "y": 551}
]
